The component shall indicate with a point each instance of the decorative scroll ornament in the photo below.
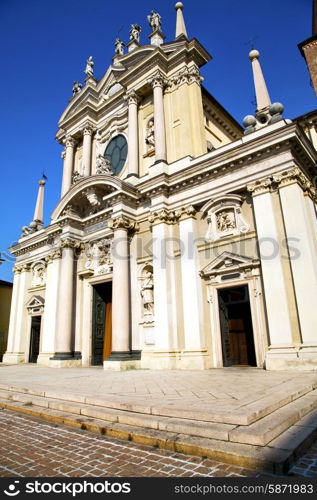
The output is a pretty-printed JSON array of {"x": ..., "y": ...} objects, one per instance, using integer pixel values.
[{"x": 164, "y": 216}]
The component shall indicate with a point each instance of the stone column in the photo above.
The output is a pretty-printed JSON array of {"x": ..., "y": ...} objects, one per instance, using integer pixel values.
[
  {"x": 16, "y": 350},
  {"x": 164, "y": 280},
  {"x": 64, "y": 332},
  {"x": 121, "y": 354},
  {"x": 133, "y": 129},
  {"x": 276, "y": 296},
  {"x": 68, "y": 164},
  {"x": 51, "y": 304},
  {"x": 191, "y": 288},
  {"x": 159, "y": 120},
  {"x": 87, "y": 143},
  {"x": 301, "y": 236}
]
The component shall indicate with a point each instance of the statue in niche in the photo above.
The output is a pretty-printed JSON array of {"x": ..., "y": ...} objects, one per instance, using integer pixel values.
[
  {"x": 38, "y": 275},
  {"x": 119, "y": 47},
  {"x": 135, "y": 32},
  {"x": 149, "y": 136},
  {"x": 147, "y": 293},
  {"x": 89, "y": 70},
  {"x": 102, "y": 165},
  {"x": 77, "y": 86},
  {"x": 155, "y": 21},
  {"x": 226, "y": 221}
]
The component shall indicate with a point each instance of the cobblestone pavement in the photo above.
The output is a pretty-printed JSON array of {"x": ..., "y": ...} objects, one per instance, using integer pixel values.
[{"x": 31, "y": 447}]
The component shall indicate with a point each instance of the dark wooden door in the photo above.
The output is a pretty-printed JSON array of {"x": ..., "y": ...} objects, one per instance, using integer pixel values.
[
  {"x": 35, "y": 339},
  {"x": 98, "y": 328},
  {"x": 225, "y": 332}
]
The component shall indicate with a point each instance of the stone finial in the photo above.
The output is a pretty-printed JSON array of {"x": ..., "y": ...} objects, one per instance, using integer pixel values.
[
  {"x": 262, "y": 96},
  {"x": 77, "y": 86},
  {"x": 37, "y": 223},
  {"x": 180, "y": 22}
]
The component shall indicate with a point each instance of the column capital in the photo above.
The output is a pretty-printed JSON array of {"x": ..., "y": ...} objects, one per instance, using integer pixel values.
[
  {"x": 122, "y": 222},
  {"x": 70, "y": 243},
  {"x": 158, "y": 80},
  {"x": 294, "y": 176},
  {"x": 88, "y": 129},
  {"x": 69, "y": 141},
  {"x": 132, "y": 97},
  {"x": 260, "y": 186},
  {"x": 20, "y": 268},
  {"x": 164, "y": 216},
  {"x": 55, "y": 254},
  {"x": 188, "y": 212}
]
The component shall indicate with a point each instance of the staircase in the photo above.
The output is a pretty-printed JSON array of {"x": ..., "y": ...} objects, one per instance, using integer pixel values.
[{"x": 268, "y": 434}]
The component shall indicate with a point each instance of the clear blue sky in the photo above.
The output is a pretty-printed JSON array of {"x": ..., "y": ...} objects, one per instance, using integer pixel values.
[{"x": 45, "y": 45}]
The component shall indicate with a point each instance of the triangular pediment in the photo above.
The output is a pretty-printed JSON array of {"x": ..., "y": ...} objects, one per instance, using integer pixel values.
[
  {"x": 35, "y": 301},
  {"x": 227, "y": 262}
]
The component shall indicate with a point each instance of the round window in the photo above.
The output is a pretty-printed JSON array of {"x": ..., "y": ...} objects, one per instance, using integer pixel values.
[{"x": 116, "y": 152}]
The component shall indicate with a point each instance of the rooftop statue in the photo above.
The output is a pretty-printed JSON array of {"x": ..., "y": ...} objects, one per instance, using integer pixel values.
[
  {"x": 119, "y": 47},
  {"x": 155, "y": 21},
  {"x": 135, "y": 32},
  {"x": 89, "y": 70}
]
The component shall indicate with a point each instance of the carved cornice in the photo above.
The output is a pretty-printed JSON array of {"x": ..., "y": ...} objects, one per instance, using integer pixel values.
[
  {"x": 122, "y": 222},
  {"x": 164, "y": 216},
  {"x": 260, "y": 186},
  {"x": 132, "y": 97}
]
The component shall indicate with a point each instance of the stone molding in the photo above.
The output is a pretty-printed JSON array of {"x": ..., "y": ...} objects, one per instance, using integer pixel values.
[
  {"x": 164, "y": 216},
  {"x": 122, "y": 222}
]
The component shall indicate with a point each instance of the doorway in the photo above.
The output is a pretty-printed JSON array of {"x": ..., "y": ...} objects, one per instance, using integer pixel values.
[
  {"x": 101, "y": 323},
  {"x": 35, "y": 338},
  {"x": 236, "y": 327}
]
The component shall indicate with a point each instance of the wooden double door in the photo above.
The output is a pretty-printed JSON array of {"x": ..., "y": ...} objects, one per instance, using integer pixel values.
[
  {"x": 236, "y": 327},
  {"x": 101, "y": 323}
]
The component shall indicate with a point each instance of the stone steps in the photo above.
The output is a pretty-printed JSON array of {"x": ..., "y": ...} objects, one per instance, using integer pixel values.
[{"x": 270, "y": 442}]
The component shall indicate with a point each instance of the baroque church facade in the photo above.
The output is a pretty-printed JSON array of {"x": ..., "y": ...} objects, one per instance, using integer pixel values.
[{"x": 181, "y": 240}]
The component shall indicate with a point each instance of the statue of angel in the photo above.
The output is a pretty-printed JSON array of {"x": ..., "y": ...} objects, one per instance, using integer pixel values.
[
  {"x": 155, "y": 20},
  {"x": 89, "y": 70}
]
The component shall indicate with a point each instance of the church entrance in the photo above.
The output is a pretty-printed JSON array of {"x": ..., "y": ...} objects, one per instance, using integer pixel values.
[
  {"x": 35, "y": 338},
  {"x": 101, "y": 323},
  {"x": 236, "y": 327}
]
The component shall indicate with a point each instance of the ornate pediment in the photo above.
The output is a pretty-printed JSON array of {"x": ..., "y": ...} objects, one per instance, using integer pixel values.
[
  {"x": 36, "y": 305},
  {"x": 228, "y": 263}
]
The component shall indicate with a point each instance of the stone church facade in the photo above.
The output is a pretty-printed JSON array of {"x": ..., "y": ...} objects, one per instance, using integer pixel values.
[{"x": 181, "y": 240}]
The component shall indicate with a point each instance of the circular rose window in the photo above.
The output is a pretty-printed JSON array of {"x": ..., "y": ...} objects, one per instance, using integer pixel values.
[{"x": 116, "y": 152}]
